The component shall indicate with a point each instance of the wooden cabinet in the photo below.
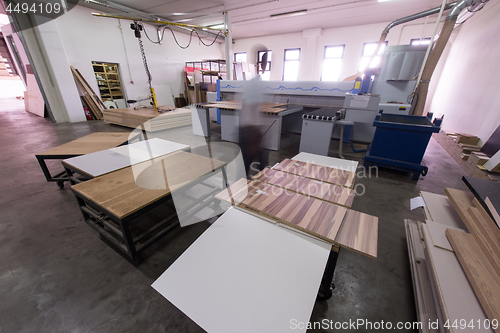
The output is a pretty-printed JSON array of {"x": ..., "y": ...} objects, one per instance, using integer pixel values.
[{"x": 108, "y": 80}]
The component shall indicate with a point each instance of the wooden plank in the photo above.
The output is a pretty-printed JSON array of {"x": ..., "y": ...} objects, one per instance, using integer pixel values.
[
  {"x": 461, "y": 200},
  {"x": 94, "y": 102},
  {"x": 123, "y": 192},
  {"x": 481, "y": 274},
  {"x": 318, "y": 218},
  {"x": 151, "y": 119},
  {"x": 456, "y": 297},
  {"x": 89, "y": 144},
  {"x": 359, "y": 231},
  {"x": 493, "y": 211},
  {"x": 314, "y": 188},
  {"x": 317, "y": 172}
]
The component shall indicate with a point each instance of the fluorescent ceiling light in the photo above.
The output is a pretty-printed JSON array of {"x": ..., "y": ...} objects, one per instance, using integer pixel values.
[
  {"x": 216, "y": 26},
  {"x": 294, "y": 13}
]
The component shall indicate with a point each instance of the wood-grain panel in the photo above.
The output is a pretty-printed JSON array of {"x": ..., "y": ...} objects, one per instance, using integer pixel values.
[
  {"x": 479, "y": 224},
  {"x": 307, "y": 186},
  {"x": 317, "y": 172},
  {"x": 481, "y": 275},
  {"x": 359, "y": 231},
  {"x": 122, "y": 192},
  {"x": 89, "y": 144},
  {"x": 316, "y": 217}
]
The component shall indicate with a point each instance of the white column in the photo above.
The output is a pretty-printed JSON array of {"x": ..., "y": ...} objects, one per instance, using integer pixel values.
[
  {"x": 308, "y": 56},
  {"x": 229, "y": 47}
]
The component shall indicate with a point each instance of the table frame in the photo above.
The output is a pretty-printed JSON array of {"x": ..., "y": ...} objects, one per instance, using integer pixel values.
[{"x": 117, "y": 230}]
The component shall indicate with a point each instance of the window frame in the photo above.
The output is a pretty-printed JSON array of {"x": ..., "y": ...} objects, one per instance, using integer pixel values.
[
  {"x": 268, "y": 62},
  {"x": 325, "y": 58},
  {"x": 284, "y": 62},
  {"x": 234, "y": 55},
  {"x": 420, "y": 39},
  {"x": 368, "y": 56}
]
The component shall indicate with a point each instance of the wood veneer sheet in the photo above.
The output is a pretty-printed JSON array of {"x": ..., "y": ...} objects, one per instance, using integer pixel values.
[
  {"x": 318, "y": 218},
  {"x": 318, "y": 172},
  {"x": 482, "y": 276},
  {"x": 310, "y": 187},
  {"x": 327, "y": 161},
  {"x": 244, "y": 274}
]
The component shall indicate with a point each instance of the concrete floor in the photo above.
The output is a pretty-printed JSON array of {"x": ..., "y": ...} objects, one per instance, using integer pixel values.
[{"x": 57, "y": 275}]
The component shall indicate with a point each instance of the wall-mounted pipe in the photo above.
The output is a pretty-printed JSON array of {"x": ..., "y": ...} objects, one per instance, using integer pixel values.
[
  {"x": 398, "y": 22},
  {"x": 430, "y": 66}
]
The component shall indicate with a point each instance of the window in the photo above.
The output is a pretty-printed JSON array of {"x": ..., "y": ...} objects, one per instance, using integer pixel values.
[
  {"x": 267, "y": 73},
  {"x": 291, "y": 65},
  {"x": 332, "y": 61},
  {"x": 240, "y": 57},
  {"x": 368, "y": 49},
  {"x": 418, "y": 41}
]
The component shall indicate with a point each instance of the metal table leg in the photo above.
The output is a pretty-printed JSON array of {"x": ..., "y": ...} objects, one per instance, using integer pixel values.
[{"x": 325, "y": 289}]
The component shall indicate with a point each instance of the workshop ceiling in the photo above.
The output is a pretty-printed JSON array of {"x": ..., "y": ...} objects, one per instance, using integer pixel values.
[{"x": 251, "y": 18}]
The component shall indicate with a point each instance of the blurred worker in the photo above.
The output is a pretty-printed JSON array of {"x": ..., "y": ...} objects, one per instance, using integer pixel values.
[{"x": 252, "y": 128}]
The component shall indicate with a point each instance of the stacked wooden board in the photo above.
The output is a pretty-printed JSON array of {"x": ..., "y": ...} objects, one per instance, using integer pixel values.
[
  {"x": 148, "y": 119},
  {"x": 94, "y": 103},
  {"x": 454, "y": 275},
  {"x": 265, "y": 107},
  {"x": 316, "y": 206},
  {"x": 465, "y": 151},
  {"x": 478, "y": 251}
]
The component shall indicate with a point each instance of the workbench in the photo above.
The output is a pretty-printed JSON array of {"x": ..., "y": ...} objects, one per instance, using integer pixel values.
[
  {"x": 102, "y": 162},
  {"x": 272, "y": 117},
  {"x": 112, "y": 203},
  {"x": 282, "y": 249},
  {"x": 85, "y": 145}
]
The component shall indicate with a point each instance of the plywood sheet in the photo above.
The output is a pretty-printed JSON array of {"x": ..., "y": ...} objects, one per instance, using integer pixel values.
[
  {"x": 310, "y": 187},
  {"x": 327, "y": 161},
  {"x": 123, "y": 192},
  {"x": 481, "y": 274},
  {"x": 148, "y": 118},
  {"x": 316, "y": 217},
  {"x": 246, "y": 273},
  {"x": 456, "y": 296},
  {"x": 437, "y": 233},
  {"x": 441, "y": 210},
  {"x": 90, "y": 143},
  {"x": 317, "y": 172}
]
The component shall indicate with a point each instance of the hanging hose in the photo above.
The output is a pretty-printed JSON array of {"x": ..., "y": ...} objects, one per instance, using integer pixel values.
[{"x": 145, "y": 61}]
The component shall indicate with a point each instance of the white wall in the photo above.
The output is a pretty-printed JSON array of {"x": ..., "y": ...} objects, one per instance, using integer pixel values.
[
  {"x": 352, "y": 37},
  {"x": 465, "y": 87},
  {"x": 85, "y": 38}
]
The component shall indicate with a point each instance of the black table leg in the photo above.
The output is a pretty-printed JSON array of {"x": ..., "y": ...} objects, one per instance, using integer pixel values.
[{"x": 325, "y": 289}]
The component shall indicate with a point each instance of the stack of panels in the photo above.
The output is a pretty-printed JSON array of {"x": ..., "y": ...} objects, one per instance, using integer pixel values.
[
  {"x": 310, "y": 198},
  {"x": 148, "y": 119},
  {"x": 325, "y": 174}
]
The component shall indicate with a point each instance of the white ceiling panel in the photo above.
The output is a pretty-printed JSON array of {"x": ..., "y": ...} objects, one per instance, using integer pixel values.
[{"x": 251, "y": 18}]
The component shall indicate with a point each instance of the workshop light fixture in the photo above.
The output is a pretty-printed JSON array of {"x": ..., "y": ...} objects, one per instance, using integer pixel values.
[{"x": 294, "y": 13}]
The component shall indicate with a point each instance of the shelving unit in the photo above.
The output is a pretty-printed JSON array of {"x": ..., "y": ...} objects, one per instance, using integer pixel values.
[
  {"x": 201, "y": 76},
  {"x": 108, "y": 80}
]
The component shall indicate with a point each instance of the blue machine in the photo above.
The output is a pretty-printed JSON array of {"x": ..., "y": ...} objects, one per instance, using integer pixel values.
[{"x": 400, "y": 142}]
